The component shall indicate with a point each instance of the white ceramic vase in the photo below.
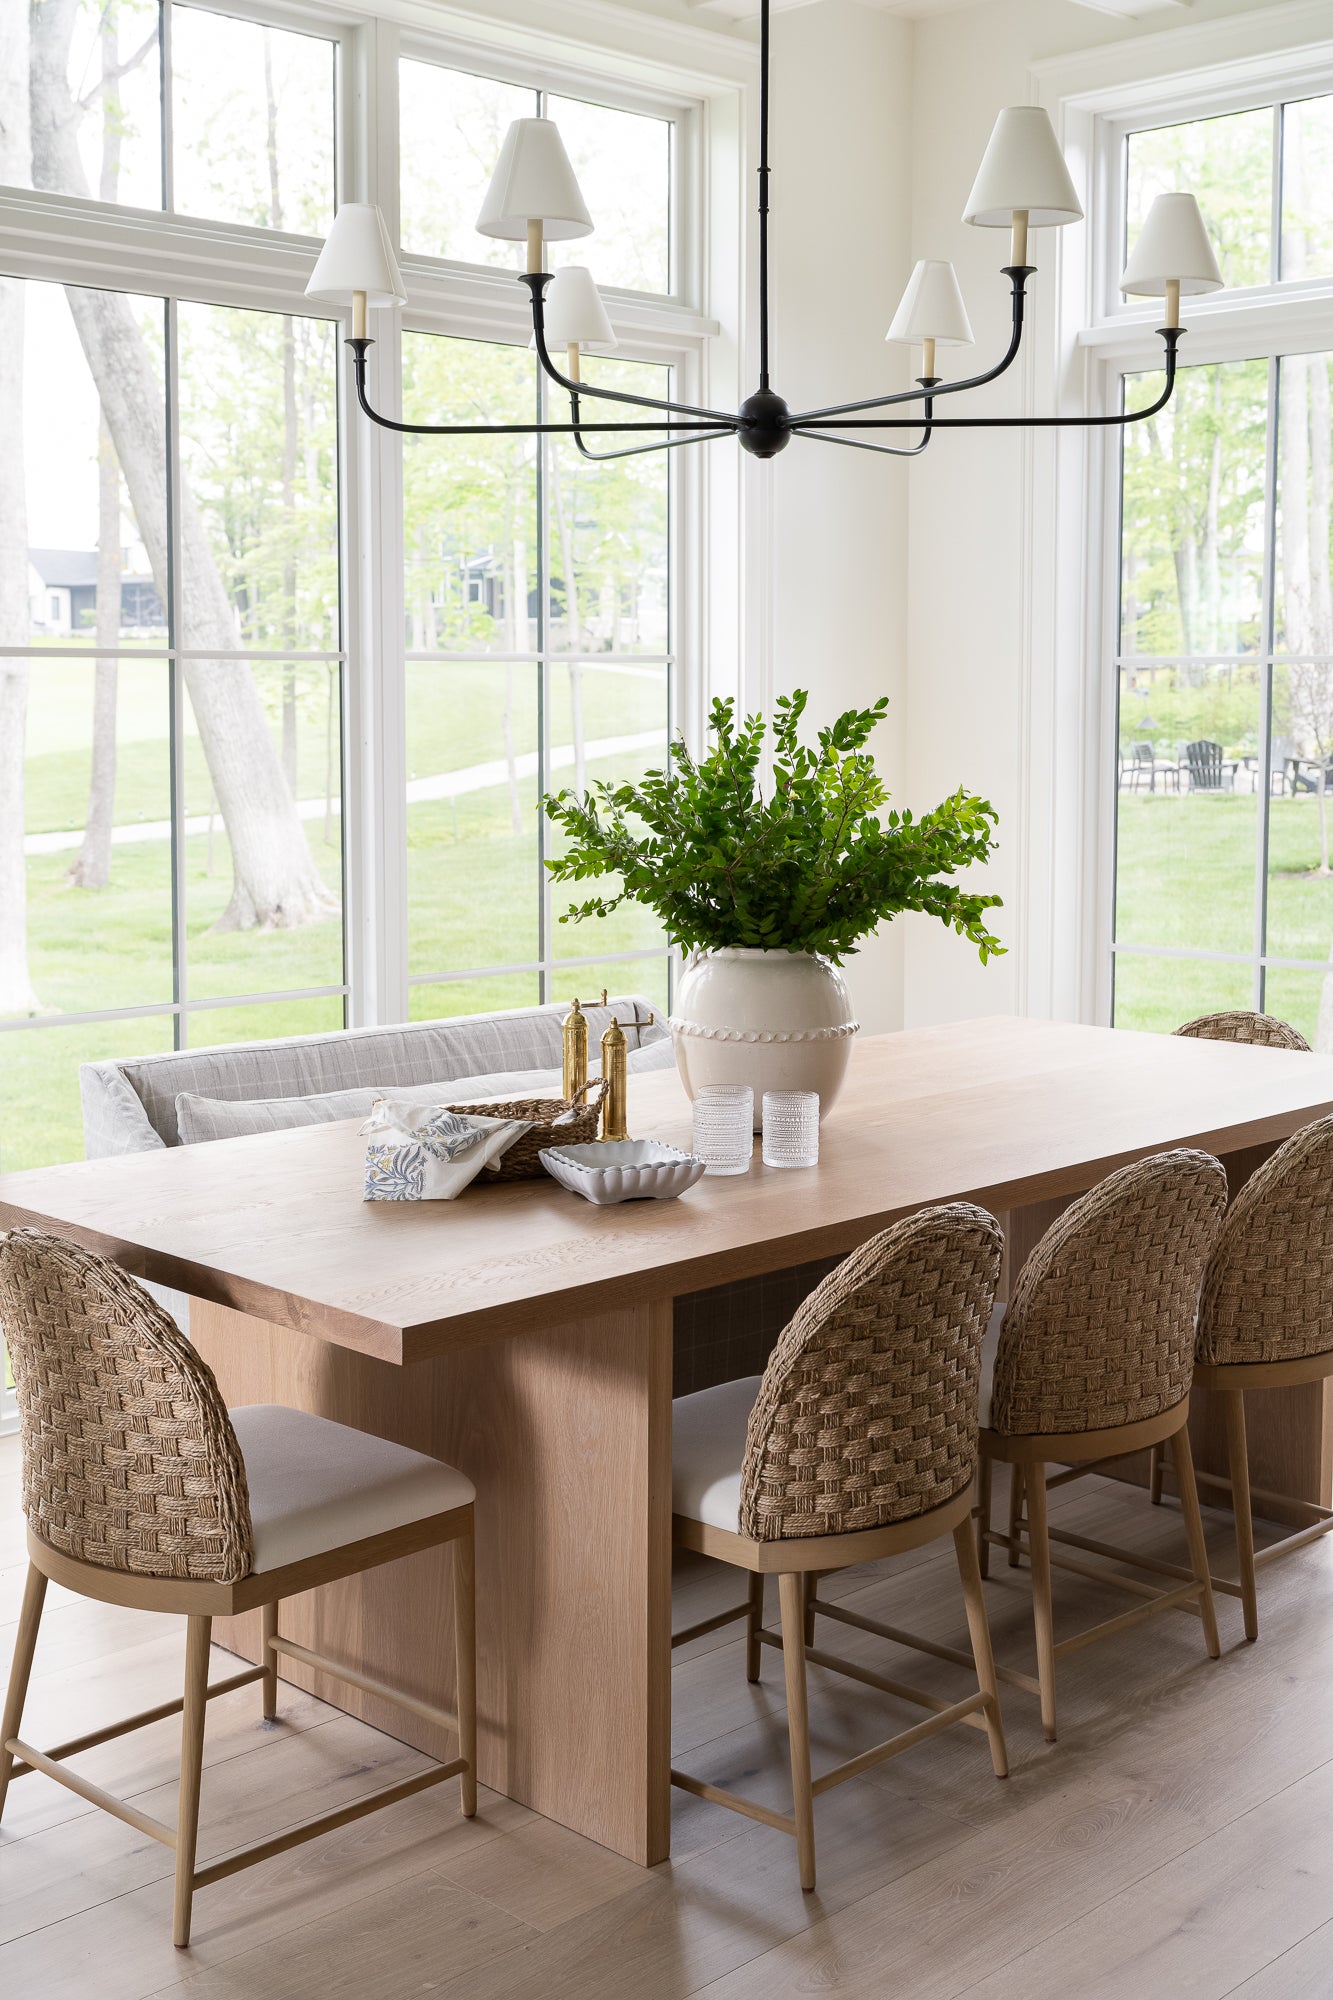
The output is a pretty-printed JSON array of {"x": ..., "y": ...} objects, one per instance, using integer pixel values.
[{"x": 777, "y": 1020}]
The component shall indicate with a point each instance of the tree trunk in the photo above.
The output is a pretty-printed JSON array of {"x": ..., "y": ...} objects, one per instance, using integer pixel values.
[
  {"x": 92, "y": 866},
  {"x": 289, "y": 440},
  {"x": 518, "y": 635},
  {"x": 16, "y": 993},
  {"x": 275, "y": 881}
]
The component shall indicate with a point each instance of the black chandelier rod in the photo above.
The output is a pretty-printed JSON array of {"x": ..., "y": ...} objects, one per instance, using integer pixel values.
[
  {"x": 536, "y": 282},
  {"x": 763, "y": 193},
  {"x": 359, "y": 349},
  {"x": 696, "y": 436},
  {"x": 1018, "y": 275},
  {"x": 1170, "y": 334}
]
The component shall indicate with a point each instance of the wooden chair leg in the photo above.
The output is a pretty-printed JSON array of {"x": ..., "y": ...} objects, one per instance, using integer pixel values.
[
  {"x": 30, "y": 1617},
  {"x": 754, "y": 1619},
  {"x": 199, "y": 1636},
  {"x": 792, "y": 1594},
  {"x": 811, "y": 1585},
  {"x": 969, "y": 1569},
  {"x": 984, "y": 1484},
  {"x": 1155, "y": 1475},
  {"x": 1183, "y": 1460},
  {"x": 1233, "y": 1403},
  {"x": 1039, "y": 1551},
  {"x": 465, "y": 1653},
  {"x": 1015, "y": 1512},
  {"x": 269, "y": 1660}
]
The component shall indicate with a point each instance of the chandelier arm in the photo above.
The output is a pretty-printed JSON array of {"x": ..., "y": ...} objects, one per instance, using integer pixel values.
[
  {"x": 1170, "y": 334},
  {"x": 1018, "y": 275},
  {"x": 697, "y": 436},
  {"x": 536, "y": 281},
  {"x": 722, "y": 427},
  {"x": 864, "y": 444}
]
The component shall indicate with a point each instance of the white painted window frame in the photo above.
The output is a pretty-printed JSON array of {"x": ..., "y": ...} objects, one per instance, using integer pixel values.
[
  {"x": 1086, "y": 338},
  {"x": 704, "y": 80}
]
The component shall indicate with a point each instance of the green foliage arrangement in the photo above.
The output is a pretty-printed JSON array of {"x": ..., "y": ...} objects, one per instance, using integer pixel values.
[{"x": 813, "y": 867}]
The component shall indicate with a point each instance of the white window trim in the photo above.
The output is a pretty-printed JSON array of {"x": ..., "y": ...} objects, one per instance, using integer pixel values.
[
  {"x": 705, "y": 79},
  {"x": 1083, "y": 338}
]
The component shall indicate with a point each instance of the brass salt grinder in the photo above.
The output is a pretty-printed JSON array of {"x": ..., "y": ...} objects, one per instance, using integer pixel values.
[{"x": 615, "y": 1067}]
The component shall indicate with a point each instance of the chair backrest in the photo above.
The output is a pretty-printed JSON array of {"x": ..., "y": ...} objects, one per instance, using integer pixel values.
[
  {"x": 1268, "y": 1289},
  {"x": 1100, "y": 1330},
  {"x": 1240, "y": 1025},
  {"x": 1143, "y": 753},
  {"x": 129, "y": 1458},
  {"x": 867, "y": 1413},
  {"x": 1205, "y": 761}
]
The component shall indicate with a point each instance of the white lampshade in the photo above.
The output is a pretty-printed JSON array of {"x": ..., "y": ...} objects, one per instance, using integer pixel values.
[
  {"x": 932, "y": 307},
  {"x": 1172, "y": 244},
  {"x": 1022, "y": 167},
  {"x": 574, "y": 310},
  {"x": 534, "y": 182},
  {"x": 357, "y": 257}
]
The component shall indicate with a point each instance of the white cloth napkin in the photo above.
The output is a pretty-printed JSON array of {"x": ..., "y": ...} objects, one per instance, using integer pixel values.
[{"x": 417, "y": 1151}]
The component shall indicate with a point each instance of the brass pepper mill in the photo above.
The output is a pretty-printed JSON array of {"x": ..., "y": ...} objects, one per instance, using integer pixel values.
[
  {"x": 615, "y": 1074},
  {"x": 615, "y": 1069},
  {"x": 574, "y": 1035}
]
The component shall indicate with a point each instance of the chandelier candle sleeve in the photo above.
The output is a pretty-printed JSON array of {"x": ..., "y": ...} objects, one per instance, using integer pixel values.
[{"x": 534, "y": 198}]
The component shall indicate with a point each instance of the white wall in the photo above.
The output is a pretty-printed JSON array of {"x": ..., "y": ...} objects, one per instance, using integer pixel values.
[{"x": 840, "y": 253}]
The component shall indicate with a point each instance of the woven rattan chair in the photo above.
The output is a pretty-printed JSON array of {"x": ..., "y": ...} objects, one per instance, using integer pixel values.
[
  {"x": 1266, "y": 1322},
  {"x": 1240, "y": 1025},
  {"x": 140, "y": 1490},
  {"x": 1262, "y": 1031},
  {"x": 858, "y": 1441},
  {"x": 1092, "y": 1360}
]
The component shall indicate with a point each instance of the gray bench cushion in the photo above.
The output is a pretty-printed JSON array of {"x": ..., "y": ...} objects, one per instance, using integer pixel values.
[{"x": 130, "y": 1106}]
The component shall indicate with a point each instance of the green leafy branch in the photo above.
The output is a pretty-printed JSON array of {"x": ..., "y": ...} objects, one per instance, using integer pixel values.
[{"x": 816, "y": 866}]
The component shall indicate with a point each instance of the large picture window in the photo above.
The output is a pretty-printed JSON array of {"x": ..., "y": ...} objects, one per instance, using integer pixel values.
[
  {"x": 185, "y": 805},
  {"x": 1224, "y": 666}
]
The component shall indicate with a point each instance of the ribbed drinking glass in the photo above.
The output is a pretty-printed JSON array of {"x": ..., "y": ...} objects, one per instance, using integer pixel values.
[
  {"x": 724, "y": 1127},
  {"x": 791, "y": 1128}
]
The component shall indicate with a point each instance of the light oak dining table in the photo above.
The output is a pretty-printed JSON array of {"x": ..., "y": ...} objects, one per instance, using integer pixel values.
[{"x": 525, "y": 1335}]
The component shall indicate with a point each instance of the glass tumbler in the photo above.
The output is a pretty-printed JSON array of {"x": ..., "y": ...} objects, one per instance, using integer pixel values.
[
  {"x": 724, "y": 1127},
  {"x": 791, "y": 1128}
]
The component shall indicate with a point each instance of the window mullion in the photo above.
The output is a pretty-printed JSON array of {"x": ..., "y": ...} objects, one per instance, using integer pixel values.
[{"x": 1269, "y": 586}]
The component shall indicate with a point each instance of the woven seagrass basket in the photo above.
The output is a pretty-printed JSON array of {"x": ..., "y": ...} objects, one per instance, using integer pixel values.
[{"x": 521, "y": 1162}]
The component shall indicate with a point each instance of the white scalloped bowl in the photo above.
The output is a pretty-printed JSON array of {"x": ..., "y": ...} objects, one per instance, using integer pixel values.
[{"x": 612, "y": 1170}]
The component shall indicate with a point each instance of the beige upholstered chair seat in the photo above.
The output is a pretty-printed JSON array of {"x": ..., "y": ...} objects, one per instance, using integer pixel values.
[
  {"x": 708, "y": 1450},
  {"x": 316, "y": 1486},
  {"x": 990, "y": 1347}
]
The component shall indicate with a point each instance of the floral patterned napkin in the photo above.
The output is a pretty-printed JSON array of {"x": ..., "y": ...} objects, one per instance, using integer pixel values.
[{"x": 417, "y": 1151}]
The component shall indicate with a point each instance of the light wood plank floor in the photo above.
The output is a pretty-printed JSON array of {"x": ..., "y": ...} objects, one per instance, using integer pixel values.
[{"x": 1172, "y": 1846}]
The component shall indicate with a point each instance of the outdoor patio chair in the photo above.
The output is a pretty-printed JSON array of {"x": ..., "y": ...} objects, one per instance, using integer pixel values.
[{"x": 1209, "y": 769}]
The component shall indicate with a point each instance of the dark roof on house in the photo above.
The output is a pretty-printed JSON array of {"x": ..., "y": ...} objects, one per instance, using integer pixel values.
[{"x": 64, "y": 568}]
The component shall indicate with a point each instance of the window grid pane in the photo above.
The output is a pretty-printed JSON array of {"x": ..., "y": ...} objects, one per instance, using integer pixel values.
[{"x": 1224, "y": 883}]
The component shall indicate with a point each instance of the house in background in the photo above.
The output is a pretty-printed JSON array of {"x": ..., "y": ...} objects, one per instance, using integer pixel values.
[{"x": 62, "y": 594}]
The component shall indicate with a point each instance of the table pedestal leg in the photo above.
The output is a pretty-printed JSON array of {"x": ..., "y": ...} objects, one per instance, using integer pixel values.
[{"x": 566, "y": 1434}]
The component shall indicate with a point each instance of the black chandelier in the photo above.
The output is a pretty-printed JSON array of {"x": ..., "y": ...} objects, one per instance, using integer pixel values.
[{"x": 1022, "y": 184}]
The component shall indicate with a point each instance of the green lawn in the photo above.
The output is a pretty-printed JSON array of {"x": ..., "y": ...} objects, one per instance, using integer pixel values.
[
  {"x": 472, "y": 878},
  {"x": 1186, "y": 879}
]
